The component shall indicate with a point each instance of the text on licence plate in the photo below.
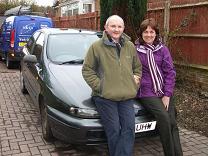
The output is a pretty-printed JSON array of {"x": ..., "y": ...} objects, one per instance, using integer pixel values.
[{"x": 146, "y": 126}]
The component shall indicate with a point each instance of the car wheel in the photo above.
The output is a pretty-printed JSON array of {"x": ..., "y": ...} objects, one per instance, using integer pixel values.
[
  {"x": 22, "y": 84},
  {"x": 8, "y": 63},
  {"x": 46, "y": 129}
]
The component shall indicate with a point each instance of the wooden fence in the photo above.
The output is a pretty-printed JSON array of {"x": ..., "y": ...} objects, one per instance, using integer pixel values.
[
  {"x": 185, "y": 22},
  {"x": 89, "y": 21}
]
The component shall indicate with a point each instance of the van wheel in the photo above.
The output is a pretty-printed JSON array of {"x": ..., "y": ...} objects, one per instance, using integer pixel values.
[
  {"x": 3, "y": 58},
  {"x": 22, "y": 84},
  {"x": 8, "y": 63},
  {"x": 46, "y": 129}
]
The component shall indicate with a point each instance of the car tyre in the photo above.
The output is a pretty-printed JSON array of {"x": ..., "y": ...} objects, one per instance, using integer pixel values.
[
  {"x": 22, "y": 84},
  {"x": 46, "y": 129}
]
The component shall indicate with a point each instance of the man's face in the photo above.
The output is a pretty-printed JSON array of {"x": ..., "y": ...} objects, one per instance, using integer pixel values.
[{"x": 115, "y": 28}]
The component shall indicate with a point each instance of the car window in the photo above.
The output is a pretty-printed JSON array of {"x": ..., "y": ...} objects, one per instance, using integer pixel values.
[
  {"x": 38, "y": 47},
  {"x": 67, "y": 47},
  {"x": 31, "y": 41}
]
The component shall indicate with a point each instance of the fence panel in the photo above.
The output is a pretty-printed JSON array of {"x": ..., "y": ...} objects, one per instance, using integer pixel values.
[
  {"x": 188, "y": 33},
  {"x": 188, "y": 37},
  {"x": 88, "y": 21}
]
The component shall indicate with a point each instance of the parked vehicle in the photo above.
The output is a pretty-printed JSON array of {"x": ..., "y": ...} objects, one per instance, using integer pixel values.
[
  {"x": 15, "y": 32},
  {"x": 19, "y": 10},
  {"x": 51, "y": 72}
]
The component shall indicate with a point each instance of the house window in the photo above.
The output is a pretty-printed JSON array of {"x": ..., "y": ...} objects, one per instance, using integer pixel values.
[
  {"x": 63, "y": 11},
  {"x": 87, "y": 8},
  {"x": 75, "y": 11},
  {"x": 69, "y": 12}
]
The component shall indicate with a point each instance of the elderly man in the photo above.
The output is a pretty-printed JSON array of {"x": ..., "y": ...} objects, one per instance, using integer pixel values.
[{"x": 112, "y": 69}]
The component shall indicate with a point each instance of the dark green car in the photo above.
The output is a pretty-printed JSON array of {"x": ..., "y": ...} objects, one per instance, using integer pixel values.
[{"x": 51, "y": 73}]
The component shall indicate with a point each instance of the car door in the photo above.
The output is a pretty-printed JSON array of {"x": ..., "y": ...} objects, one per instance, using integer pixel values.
[
  {"x": 1, "y": 39},
  {"x": 35, "y": 69},
  {"x": 27, "y": 50}
]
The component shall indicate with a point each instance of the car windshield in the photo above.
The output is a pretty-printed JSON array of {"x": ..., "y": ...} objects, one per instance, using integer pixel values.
[{"x": 67, "y": 48}]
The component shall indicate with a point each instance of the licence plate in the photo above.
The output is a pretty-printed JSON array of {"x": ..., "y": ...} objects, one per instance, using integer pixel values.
[
  {"x": 21, "y": 44},
  {"x": 146, "y": 126}
]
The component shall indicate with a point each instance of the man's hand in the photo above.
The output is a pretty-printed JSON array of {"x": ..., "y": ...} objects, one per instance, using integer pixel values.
[
  {"x": 137, "y": 79},
  {"x": 166, "y": 101}
]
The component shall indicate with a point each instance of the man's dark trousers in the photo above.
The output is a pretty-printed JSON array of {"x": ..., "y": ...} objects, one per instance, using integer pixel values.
[
  {"x": 118, "y": 119},
  {"x": 166, "y": 124}
]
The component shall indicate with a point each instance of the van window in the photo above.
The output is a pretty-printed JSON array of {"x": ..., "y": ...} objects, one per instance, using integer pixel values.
[
  {"x": 38, "y": 46},
  {"x": 31, "y": 41}
]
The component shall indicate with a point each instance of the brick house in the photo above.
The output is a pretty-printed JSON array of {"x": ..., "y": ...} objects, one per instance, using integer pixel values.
[{"x": 75, "y": 7}]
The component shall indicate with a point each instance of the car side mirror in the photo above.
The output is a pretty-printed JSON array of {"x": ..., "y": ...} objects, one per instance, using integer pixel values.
[{"x": 30, "y": 59}]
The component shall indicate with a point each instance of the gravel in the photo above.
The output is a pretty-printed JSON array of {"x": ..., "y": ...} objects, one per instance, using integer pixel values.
[{"x": 192, "y": 107}]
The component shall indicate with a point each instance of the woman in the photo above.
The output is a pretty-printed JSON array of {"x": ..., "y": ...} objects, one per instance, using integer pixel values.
[{"x": 157, "y": 84}]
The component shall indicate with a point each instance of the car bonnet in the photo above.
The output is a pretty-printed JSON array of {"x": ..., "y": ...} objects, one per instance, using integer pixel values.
[{"x": 69, "y": 85}]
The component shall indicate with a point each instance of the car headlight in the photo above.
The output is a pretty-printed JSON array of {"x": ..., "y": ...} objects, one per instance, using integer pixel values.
[{"x": 83, "y": 112}]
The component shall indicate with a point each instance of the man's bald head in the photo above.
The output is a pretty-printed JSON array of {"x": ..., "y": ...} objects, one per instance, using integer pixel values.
[{"x": 112, "y": 18}]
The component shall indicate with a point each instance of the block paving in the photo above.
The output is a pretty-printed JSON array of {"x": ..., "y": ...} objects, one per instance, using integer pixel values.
[{"x": 21, "y": 134}]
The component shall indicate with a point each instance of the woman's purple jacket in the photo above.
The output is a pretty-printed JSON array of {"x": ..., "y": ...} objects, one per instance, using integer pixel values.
[{"x": 164, "y": 62}]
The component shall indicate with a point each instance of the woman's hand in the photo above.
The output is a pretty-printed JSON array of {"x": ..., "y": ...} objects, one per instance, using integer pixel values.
[
  {"x": 137, "y": 79},
  {"x": 166, "y": 101}
]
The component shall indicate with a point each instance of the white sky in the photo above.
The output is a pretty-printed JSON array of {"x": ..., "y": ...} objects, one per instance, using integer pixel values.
[{"x": 44, "y": 2}]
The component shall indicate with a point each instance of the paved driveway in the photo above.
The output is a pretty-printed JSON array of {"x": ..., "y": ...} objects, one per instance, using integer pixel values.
[{"x": 20, "y": 129}]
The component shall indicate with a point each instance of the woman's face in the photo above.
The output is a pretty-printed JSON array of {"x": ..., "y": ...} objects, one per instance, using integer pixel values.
[{"x": 149, "y": 35}]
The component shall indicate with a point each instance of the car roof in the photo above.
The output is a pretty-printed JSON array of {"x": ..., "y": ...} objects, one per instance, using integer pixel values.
[{"x": 67, "y": 30}]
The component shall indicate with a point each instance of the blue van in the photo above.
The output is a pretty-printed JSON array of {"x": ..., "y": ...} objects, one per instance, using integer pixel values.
[{"x": 16, "y": 31}]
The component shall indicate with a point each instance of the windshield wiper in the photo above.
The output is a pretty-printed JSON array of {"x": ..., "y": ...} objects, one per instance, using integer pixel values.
[{"x": 77, "y": 61}]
